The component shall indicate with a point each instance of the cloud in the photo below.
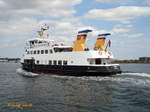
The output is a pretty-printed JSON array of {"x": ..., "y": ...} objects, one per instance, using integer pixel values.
[
  {"x": 65, "y": 27},
  {"x": 121, "y": 14},
  {"x": 14, "y": 27},
  {"x": 138, "y": 35},
  {"x": 36, "y": 8},
  {"x": 121, "y": 29},
  {"x": 116, "y": 30},
  {"x": 147, "y": 2},
  {"x": 8, "y": 45},
  {"x": 122, "y": 2},
  {"x": 20, "y": 17},
  {"x": 104, "y": 1},
  {"x": 2, "y": 3}
]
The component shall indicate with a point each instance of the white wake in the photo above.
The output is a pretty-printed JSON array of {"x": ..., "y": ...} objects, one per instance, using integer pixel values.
[
  {"x": 146, "y": 75},
  {"x": 25, "y": 73}
]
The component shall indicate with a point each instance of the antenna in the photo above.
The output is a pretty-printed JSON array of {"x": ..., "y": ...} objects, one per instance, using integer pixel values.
[{"x": 43, "y": 28}]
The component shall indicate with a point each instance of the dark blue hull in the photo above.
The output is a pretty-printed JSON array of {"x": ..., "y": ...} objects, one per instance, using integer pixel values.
[{"x": 73, "y": 70}]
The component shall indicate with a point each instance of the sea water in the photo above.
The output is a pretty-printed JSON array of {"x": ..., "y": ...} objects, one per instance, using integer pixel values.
[{"x": 126, "y": 92}]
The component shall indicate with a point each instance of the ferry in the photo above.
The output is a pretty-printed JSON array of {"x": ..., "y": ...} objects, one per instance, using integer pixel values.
[{"x": 45, "y": 56}]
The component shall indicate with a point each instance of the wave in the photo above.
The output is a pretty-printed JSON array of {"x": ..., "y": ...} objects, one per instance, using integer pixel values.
[
  {"x": 146, "y": 75},
  {"x": 120, "y": 78},
  {"x": 25, "y": 73},
  {"x": 124, "y": 77}
]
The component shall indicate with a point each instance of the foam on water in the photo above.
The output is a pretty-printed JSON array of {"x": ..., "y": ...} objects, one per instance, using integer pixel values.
[
  {"x": 25, "y": 73},
  {"x": 133, "y": 78},
  {"x": 125, "y": 77},
  {"x": 146, "y": 75}
]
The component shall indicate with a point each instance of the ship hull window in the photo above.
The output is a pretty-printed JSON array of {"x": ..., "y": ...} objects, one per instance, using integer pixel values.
[
  {"x": 65, "y": 62},
  {"x": 91, "y": 61},
  {"x": 37, "y": 61},
  {"x": 55, "y": 62},
  {"x": 50, "y": 62}
]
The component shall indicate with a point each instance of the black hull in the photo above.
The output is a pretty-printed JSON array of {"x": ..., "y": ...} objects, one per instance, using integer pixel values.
[{"x": 72, "y": 70}]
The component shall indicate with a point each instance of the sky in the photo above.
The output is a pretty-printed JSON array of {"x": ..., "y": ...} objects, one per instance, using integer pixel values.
[{"x": 128, "y": 21}]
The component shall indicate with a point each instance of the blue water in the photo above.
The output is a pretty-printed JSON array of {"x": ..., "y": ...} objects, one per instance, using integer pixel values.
[{"x": 126, "y": 92}]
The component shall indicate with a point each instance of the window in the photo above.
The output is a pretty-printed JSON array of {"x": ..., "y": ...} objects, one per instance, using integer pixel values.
[
  {"x": 50, "y": 51},
  {"x": 31, "y": 52},
  {"x": 34, "y": 52},
  {"x": 37, "y": 61},
  {"x": 50, "y": 62},
  {"x": 42, "y": 51},
  {"x": 65, "y": 62},
  {"x": 55, "y": 62},
  {"x": 56, "y": 50},
  {"x": 91, "y": 61},
  {"x": 46, "y": 51},
  {"x": 69, "y": 49},
  {"x": 38, "y": 52},
  {"x": 98, "y": 61},
  {"x": 59, "y": 62},
  {"x": 28, "y": 52}
]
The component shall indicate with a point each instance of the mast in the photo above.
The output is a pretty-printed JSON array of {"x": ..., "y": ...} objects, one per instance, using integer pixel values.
[{"x": 41, "y": 32}]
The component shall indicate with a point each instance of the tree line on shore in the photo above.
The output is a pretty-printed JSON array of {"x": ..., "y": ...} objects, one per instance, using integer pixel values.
[
  {"x": 128, "y": 61},
  {"x": 9, "y": 59}
]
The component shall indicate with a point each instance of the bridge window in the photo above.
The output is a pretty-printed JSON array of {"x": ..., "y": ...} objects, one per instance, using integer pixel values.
[
  {"x": 63, "y": 49},
  {"x": 42, "y": 51},
  {"x": 38, "y": 52},
  {"x": 46, "y": 51},
  {"x": 50, "y": 51},
  {"x": 34, "y": 52}
]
